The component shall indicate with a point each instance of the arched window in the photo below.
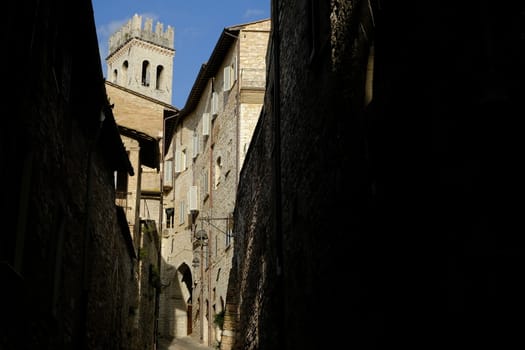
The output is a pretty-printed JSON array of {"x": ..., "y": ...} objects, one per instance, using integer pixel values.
[
  {"x": 145, "y": 73},
  {"x": 160, "y": 77},
  {"x": 115, "y": 76},
  {"x": 124, "y": 75}
]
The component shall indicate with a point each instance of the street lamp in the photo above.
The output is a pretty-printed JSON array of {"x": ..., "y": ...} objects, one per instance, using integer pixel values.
[{"x": 201, "y": 236}]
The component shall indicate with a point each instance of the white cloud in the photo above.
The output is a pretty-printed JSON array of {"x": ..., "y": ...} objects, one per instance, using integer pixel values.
[{"x": 251, "y": 13}]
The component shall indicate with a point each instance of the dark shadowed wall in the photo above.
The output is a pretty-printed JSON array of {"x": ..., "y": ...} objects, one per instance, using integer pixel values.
[
  {"x": 392, "y": 221},
  {"x": 66, "y": 258}
]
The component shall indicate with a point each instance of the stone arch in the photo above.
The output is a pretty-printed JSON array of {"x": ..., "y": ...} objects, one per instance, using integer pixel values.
[
  {"x": 181, "y": 295},
  {"x": 176, "y": 302}
]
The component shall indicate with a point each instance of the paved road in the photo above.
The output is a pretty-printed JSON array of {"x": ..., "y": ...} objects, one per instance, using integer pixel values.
[{"x": 185, "y": 343}]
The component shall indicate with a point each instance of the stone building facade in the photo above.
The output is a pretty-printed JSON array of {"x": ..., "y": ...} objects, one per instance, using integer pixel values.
[
  {"x": 143, "y": 117},
  {"x": 67, "y": 263},
  {"x": 374, "y": 208},
  {"x": 139, "y": 88},
  {"x": 208, "y": 144},
  {"x": 143, "y": 152}
]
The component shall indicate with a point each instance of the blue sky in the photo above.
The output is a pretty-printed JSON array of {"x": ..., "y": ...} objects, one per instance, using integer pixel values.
[{"x": 197, "y": 24}]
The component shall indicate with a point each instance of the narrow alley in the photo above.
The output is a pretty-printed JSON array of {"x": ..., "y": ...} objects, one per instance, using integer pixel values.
[{"x": 344, "y": 173}]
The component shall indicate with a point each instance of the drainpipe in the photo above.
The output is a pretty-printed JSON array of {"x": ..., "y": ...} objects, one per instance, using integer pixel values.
[
  {"x": 238, "y": 116},
  {"x": 211, "y": 182},
  {"x": 159, "y": 236}
]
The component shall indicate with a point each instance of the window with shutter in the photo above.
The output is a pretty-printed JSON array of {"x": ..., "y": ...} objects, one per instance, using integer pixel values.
[
  {"x": 182, "y": 212},
  {"x": 195, "y": 145},
  {"x": 205, "y": 184},
  {"x": 206, "y": 124},
  {"x": 178, "y": 163},
  {"x": 183, "y": 159},
  {"x": 227, "y": 83},
  {"x": 192, "y": 198},
  {"x": 218, "y": 170},
  {"x": 168, "y": 172},
  {"x": 214, "y": 104}
]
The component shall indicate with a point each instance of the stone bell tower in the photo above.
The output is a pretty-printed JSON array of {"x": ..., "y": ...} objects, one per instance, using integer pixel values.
[{"x": 141, "y": 59}]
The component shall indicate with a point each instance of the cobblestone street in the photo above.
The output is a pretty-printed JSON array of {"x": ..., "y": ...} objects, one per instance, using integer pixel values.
[{"x": 185, "y": 343}]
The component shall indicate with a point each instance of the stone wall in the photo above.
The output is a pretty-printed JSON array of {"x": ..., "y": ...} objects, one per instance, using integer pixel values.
[
  {"x": 149, "y": 285},
  {"x": 68, "y": 273},
  {"x": 368, "y": 226},
  {"x": 294, "y": 191},
  {"x": 213, "y": 169},
  {"x": 137, "y": 111}
]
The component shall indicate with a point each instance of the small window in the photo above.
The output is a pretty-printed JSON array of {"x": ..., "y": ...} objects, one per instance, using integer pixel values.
[
  {"x": 229, "y": 231},
  {"x": 121, "y": 189},
  {"x": 168, "y": 172},
  {"x": 124, "y": 75},
  {"x": 178, "y": 165},
  {"x": 195, "y": 145},
  {"x": 227, "y": 76},
  {"x": 218, "y": 170},
  {"x": 214, "y": 104},
  {"x": 159, "y": 81},
  {"x": 205, "y": 184},
  {"x": 121, "y": 181},
  {"x": 206, "y": 124},
  {"x": 192, "y": 198},
  {"x": 234, "y": 68},
  {"x": 180, "y": 161},
  {"x": 145, "y": 73},
  {"x": 170, "y": 213},
  {"x": 182, "y": 212}
]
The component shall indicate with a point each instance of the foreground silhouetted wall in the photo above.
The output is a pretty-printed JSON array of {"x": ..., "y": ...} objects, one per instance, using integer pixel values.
[
  {"x": 66, "y": 256},
  {"x": 389, "y": 223}
]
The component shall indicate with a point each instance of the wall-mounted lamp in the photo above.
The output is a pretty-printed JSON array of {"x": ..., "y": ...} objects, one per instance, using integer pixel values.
[{"x": 201, "y": 235}]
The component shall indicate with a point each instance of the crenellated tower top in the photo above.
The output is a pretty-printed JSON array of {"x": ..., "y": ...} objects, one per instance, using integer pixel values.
[
  {"x": 141, "y": 59},
  {"x": 133, "y": 29}
]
